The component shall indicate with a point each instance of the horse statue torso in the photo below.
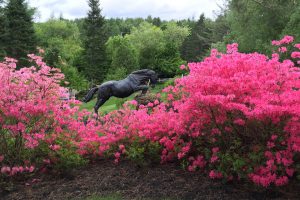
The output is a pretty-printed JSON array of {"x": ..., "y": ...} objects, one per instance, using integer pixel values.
[{"x": 136, "y": 81}]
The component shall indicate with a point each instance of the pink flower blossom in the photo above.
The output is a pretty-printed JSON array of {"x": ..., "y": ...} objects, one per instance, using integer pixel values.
[
  {"x": 215, "y": 175},
  {"x": 215, "y": 150},
  {"x": 274, "y": 137},
  {"x": 121, "y": 147},
  {"x": 117, "y": 155},
  {"x": 5, "y": 170},
  {"x": 150, "y": 105},
  {"x": 14, "y": 171},
  {"x": 297, "y": 46},
  {"x": 156, "y": 102},
  {"x": 182, "y": 67},
  {"x": 282, "y": 49},
  {"x": 287, "y": 39},
  {"x": 283, "y": 180},
  {"x": 191, "y": 168},
  {"x": 214, "y": 159},
  {"x": 47, "y": 161},
  {"x": 295, "y": 54},
  {"x": 289, "y": 172},
  {"x": 276, "y": 43},
  {"x": 55, "y": 147},
  {"x": 133, "y": 102},
  {"x": 21, "y": 169},
  {"x": 232, "y": 48},
  {"x": 240, "y": 122},
  {"x": 31, "y": 169}
]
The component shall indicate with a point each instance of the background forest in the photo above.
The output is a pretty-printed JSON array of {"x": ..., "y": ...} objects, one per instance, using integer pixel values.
[{"x": 95, "y": 49}]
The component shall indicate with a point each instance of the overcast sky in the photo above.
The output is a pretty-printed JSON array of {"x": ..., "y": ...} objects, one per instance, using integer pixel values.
[{"x": 165, "y": 9}]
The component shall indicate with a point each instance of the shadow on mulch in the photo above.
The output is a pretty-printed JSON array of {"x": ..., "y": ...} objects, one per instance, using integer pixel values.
[{"x": 104, "y": 178}]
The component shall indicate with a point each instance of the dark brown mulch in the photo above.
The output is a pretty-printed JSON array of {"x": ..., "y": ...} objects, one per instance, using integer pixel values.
[{"x": 131, "y": 182}]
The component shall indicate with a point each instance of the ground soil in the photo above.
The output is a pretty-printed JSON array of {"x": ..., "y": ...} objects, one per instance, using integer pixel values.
[{"x": 130, "y": 181}]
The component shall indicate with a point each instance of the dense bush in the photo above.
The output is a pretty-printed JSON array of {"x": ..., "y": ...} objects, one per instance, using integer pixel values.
[
  {"x": 35, "y": 125},
  {"x": 234, "y": 116}
]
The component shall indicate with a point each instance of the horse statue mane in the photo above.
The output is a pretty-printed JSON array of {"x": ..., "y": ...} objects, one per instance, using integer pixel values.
[
  {"x": 142, "y": 71},
  {"x": 136, "y": 81}
]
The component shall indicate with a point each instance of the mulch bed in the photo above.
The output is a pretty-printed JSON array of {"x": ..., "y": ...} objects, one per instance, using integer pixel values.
[{"x": 169, "y": 181}]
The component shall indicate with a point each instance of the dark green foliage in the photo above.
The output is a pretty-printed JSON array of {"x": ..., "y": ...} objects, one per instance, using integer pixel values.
[
  {"x": 95, "y": 64},
  {"x": 220, "y": 28},
  {"x": 73, "y": 79},
  {"x": 148, "y": 58},
  {"x": 123, "y": 56},
  {"x": 156, "y": 21},
  {"x": 195, "y": 46},
  {"x": 21, "y": 40},
  {"x": 3, "y": 31},
  {"x": 293, "y": 26},
  {"x": 144, "y": 153},
  {"x": 255, "y": 23},
  {"x": 57, "y": 37},
  {"x": 61, "y": 41},
  {"x": 168, "y": 61},
  {"x": 186, "y": 23}
]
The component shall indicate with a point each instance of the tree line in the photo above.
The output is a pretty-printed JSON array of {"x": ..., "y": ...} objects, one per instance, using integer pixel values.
[{"x": 94, "y": 49}]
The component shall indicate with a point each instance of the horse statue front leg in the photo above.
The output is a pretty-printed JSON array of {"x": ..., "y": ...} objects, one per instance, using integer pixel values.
[{"x": 144, "y": 89}]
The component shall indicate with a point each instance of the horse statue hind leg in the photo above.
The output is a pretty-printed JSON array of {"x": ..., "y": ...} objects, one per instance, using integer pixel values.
[{"x": 103, "y": 96}]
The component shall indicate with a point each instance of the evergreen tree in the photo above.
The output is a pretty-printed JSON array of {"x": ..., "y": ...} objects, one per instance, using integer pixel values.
[
  {"x": 195, "y": 46},
  {"x": 156, "y": 21},
  {"x": 3, "y": 31},
  {"x": 21, "y": 40},
  {"x": 96, "y": 65}
]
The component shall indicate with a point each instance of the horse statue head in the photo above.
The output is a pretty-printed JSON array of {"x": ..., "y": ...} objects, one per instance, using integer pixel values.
[{"x": 146, "y": 76}]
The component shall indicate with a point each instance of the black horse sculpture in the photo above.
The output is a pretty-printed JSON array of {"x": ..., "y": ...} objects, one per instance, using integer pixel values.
[{"x": 136, "y": 81}]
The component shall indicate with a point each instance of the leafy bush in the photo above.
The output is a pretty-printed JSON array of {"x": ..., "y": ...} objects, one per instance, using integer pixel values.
[
  {"x": 235, "y": 115},
  {"x": 36, "y": 127}
]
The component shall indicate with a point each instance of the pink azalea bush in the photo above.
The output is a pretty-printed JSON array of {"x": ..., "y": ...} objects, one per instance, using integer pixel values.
[
  {"x": 34, "y": 123},
  {"x": 234, "y": 116}
]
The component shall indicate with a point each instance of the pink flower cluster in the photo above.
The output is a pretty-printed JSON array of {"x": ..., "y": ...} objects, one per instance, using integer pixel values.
[
  {"x": 12, "y": 171},
  {"x": 234, "y": 106},
  {"x": 285, "y": 45},
  {"x": 285, "y": 40},
  {"x": 235, "y": 115},
  {"x": 32, "y": 115}
]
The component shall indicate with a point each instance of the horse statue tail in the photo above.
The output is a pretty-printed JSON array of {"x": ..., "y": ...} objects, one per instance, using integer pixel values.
[{"x": 90, "y": 94}]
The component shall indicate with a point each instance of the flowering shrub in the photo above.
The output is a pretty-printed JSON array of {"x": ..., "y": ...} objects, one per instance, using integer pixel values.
[
  {"x": 234, "y": 116},
  {"x": 248, "y": 107},
  {"x": 35, "y": 126}
]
